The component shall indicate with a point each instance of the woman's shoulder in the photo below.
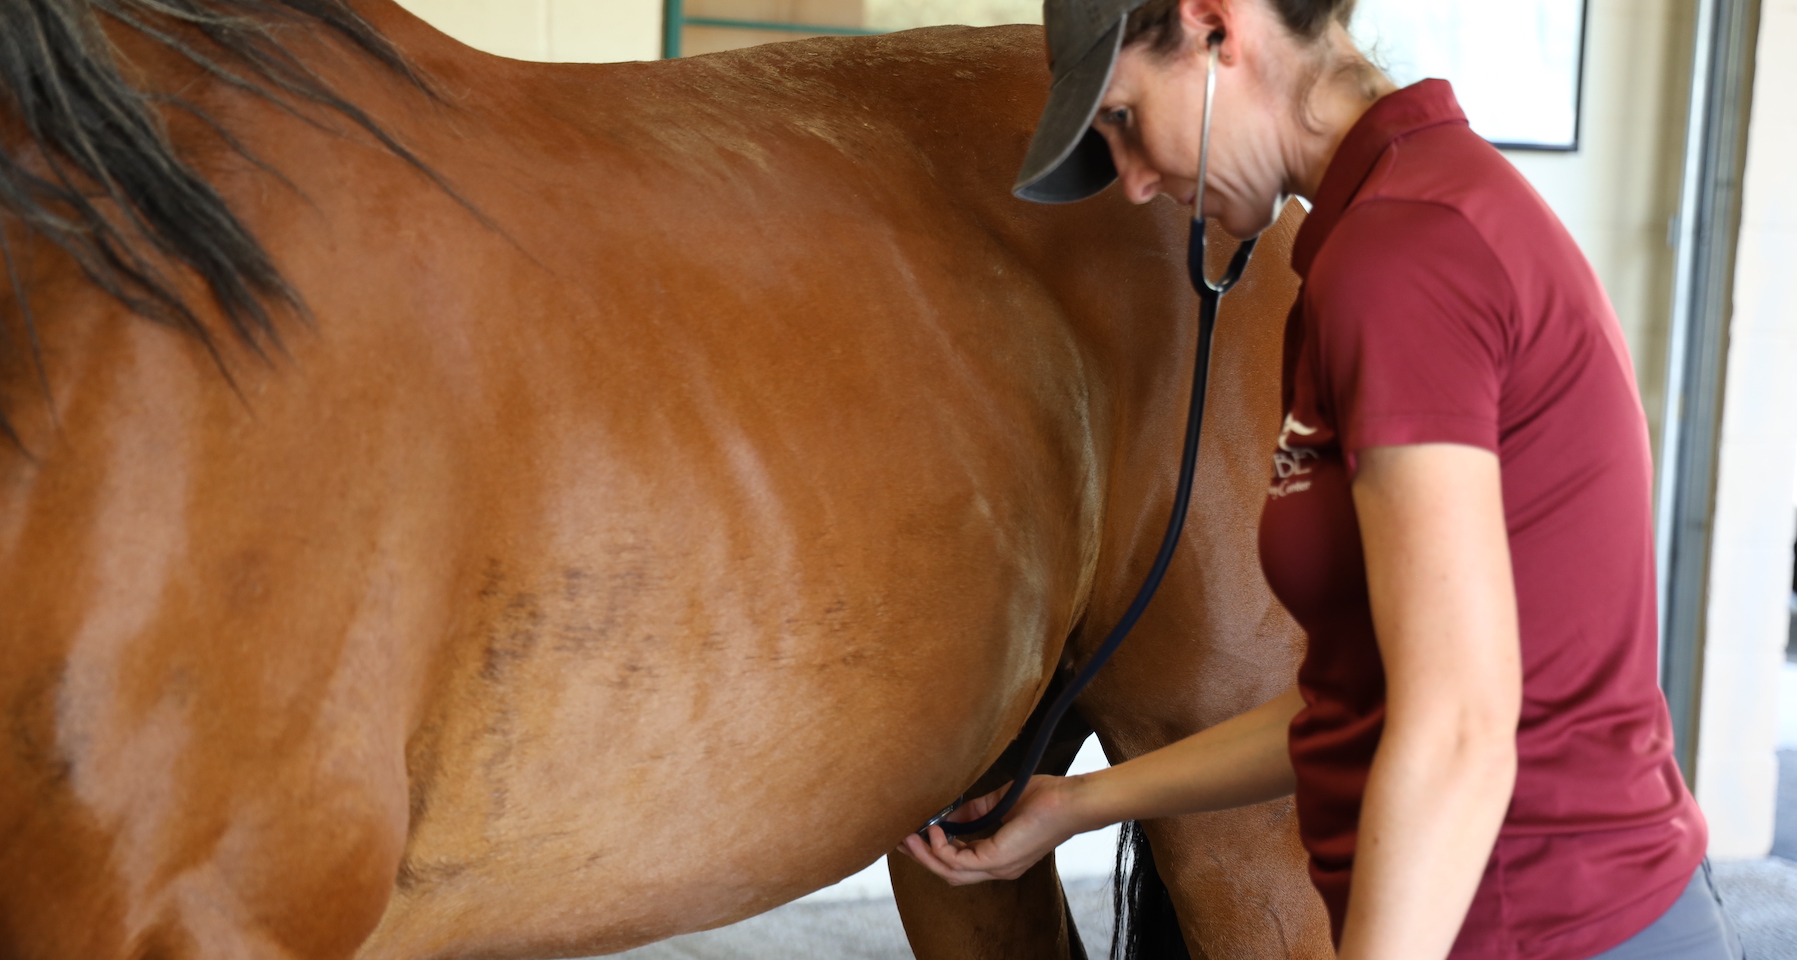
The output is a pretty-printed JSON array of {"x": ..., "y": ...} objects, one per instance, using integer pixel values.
[
  {"x": 1463, "y": 194},
  {"x": 1388, "y": 252},
  {"x": 1449, "y": 164}
]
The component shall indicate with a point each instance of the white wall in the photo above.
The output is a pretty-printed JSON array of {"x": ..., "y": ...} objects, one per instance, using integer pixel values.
[
  {"x": 1619, "y": 192},
  {"x": 592, "y": 31},
  {"x": 1750, "y": 565}
]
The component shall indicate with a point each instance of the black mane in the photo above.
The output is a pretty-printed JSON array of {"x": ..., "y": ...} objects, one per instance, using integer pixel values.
[{"x": 111, "y": 189}]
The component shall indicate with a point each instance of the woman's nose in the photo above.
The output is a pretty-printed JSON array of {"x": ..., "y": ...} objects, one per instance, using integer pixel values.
[{"x": 1141, "y": 182}]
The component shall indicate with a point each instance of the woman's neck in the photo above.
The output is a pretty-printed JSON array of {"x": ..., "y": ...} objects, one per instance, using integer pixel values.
[{"x": 1346, "y": 88}]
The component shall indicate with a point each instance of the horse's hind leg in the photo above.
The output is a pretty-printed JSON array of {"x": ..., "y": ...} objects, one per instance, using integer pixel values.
[
  {"x": 1026, "y": 917},
  {"x": 1236, "y": 879}
]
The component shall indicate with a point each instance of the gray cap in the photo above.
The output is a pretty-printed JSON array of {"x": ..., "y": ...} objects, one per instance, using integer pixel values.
[{"x": 1067, "y": 159}]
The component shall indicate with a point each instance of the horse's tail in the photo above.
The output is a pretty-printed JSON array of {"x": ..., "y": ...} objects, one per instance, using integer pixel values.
[
  {"x": 105, "y": 183},
  {"x": 1145, "y": 926}
]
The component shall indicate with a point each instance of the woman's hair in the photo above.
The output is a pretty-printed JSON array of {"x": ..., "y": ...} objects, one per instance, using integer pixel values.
[
  {"x": 1156, "y": 23},
  {"x": 1155, "y": 26}
]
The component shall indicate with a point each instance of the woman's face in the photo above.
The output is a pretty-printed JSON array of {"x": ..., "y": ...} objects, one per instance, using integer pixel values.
[{"x": 1152, "y": 116}]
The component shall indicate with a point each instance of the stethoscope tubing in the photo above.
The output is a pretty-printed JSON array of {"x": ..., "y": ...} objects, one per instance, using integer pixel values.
[{"x": 1210, "y": 296}]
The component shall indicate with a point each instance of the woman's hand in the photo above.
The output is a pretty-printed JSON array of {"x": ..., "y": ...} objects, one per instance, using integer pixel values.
[
  {"x": 1240, "y": 761},
  {"x": 1042, "y": 820}
]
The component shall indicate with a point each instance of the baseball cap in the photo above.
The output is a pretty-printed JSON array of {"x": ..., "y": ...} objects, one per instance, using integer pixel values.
[{"x": 1067, "y": 159}]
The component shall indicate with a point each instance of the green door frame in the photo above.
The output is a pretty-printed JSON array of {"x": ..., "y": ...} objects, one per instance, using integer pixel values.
[
  {"x": 1708, "y": 224},
  {"x": 675, "y": 21}
]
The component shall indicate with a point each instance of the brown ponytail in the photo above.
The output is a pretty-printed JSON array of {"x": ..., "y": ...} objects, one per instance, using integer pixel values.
[
  {"x": 1307, "y": 18},
  {"x": 1156, "y": 23}
]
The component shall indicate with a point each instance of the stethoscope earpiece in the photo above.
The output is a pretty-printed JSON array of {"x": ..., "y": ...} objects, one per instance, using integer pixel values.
[{"x": 1195, "y": 255}]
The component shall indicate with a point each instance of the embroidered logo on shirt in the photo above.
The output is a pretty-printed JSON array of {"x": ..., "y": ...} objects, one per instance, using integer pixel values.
[{"x": 1289, "y": 462}]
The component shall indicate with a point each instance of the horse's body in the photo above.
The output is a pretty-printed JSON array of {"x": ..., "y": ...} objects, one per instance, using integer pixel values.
[{"x": 656, "y": 558}]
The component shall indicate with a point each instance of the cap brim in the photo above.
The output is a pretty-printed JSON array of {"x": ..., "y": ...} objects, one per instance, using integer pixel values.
[{"x": 1067, "y": 159}]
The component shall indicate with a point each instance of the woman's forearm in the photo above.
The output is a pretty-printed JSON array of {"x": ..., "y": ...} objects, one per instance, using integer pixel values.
[
  {"x": 1444, "y": 606},
  {"x": 1240, "y": 761},
  {"x": 1434, "y": 802}
]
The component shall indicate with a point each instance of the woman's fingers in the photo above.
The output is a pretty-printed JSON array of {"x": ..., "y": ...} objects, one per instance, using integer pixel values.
[
  {"x": 1031, "y": 831},
  {"x": 989, "y": 858},
  {"x": 979, "y": 806},
  {"x": 950, "y": 866},
  {"x": 960, "y": 863}
]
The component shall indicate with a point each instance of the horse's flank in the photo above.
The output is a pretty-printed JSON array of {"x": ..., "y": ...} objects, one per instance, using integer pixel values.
[{"x": 646, "y": 562}]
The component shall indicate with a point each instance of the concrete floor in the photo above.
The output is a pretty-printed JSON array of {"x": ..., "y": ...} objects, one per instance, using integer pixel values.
[{"x": 1760, "y": 895}]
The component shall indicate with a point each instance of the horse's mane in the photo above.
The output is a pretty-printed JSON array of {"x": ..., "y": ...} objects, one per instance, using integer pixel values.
[{"x": 108, "y": 186}]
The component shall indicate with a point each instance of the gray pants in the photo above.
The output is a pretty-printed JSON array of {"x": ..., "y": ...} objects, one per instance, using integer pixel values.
[{"x": 1693, "y": 928}]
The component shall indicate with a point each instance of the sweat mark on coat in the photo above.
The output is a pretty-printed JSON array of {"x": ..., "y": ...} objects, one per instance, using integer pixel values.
[
  {"x": 414, "y": 873},
  {"x": 492, "y": 577},
  {"x": 512, "y": 637},
  {"x": 599, "y": 608},
  {"x": 422, "y": 768},
  {"x": 630, "y": 673},
  {"x": 575, "y": 584},
  {"x": 31, "y": 724}
]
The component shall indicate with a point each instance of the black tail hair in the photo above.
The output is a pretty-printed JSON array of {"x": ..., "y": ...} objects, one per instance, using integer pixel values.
[
  {"x": 1145, "y": 926},
  {"x": 110, "y": 188}
]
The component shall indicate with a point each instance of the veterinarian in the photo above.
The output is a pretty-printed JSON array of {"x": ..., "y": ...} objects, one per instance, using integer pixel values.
[{"x": 1458, "y": 510}]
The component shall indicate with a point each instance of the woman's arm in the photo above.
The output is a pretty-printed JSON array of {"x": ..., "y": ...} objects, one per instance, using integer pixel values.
[
  {"x": 1444, "y": 608},
  {"x": 1240, "y": 761}
]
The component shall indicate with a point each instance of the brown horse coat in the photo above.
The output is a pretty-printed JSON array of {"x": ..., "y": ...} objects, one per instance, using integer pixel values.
[{"x": 649, "y": 561}]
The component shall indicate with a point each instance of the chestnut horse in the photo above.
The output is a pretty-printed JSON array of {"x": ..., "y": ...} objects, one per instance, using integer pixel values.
[{"x": 565, "y": 506}]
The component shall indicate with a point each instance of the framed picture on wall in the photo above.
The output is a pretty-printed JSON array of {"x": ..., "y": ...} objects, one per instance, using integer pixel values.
[{"x": 1517, "y": 67}]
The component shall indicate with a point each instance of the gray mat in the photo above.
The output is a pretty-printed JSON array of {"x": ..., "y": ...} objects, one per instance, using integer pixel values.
[
  {"x": 854, "y": 930},
  {"x": 851, "y": 930},
  {"x": 1761, "y": 897}
]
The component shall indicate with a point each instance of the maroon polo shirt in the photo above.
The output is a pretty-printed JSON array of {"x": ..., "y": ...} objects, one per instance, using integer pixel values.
[{"x": 1444, "y": 303}]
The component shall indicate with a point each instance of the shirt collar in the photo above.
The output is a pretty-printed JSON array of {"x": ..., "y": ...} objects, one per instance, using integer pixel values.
[{"x": 1422, "y": 104}]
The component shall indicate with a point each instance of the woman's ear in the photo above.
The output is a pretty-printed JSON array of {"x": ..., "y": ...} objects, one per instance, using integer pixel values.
[{"x": 1205, "y": 20}]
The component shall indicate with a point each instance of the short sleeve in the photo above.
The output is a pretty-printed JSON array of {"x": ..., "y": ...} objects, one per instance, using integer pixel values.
[{"x": 1411, "y": 313}]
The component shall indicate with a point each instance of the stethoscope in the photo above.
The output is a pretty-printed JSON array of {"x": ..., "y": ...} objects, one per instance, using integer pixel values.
[{"x": 1210, "y": 295}]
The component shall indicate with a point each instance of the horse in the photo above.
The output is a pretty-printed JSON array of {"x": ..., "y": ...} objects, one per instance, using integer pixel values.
[{"x": 461, "y": 507}]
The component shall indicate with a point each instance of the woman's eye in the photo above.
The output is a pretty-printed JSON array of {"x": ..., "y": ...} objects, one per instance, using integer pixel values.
[{"x": 1118, "y": 117}]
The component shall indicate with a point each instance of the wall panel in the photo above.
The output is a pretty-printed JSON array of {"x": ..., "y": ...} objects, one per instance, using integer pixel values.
[{"x": 592, "y": 31}]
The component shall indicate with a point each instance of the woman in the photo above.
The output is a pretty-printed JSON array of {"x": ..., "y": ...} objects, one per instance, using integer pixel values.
[{"x": 1458, "y": 517}]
